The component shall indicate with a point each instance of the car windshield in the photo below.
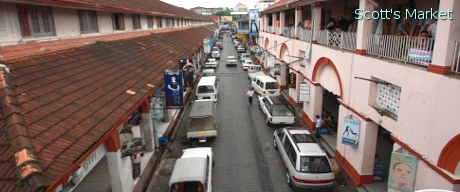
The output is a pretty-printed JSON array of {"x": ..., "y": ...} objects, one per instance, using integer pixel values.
[
  {"x": 272, "y": 85},
  {"x": 231, "y": 57},
  {"x": 314, "y": 164},
  {"x": 205, "y": 89},
  {"x": 215, "y": 49}
]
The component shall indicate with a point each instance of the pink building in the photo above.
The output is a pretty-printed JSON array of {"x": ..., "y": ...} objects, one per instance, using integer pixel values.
[{"x": 398, "y": 88}]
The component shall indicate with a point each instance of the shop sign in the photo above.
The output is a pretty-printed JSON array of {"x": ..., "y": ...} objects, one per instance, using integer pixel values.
[
  {"x": 130, "y": 141},
  {"x": 292, "y": 80},
  {"x": 277, "y": 69},
  {"x": 304, "y": 92},
  {"x": 134, "y": 116},
  {"x": 350, "y": 135},
  {"x": 173, "y": 89},
  {"x": 402, "y": 172},
  {"x": 89, "y": 163}
]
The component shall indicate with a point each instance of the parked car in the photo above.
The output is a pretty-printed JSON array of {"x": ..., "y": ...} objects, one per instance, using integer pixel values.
[
  {"x": 265, "y": 85},
  {"x": 220, "y": 36},
  {"x": 212, "y": 63},
  {"x": 215, "y": 49},
  {"x": 219, "y": 45},
  {"x": 255, "y": 70},
  {"x": 231, "y": 60},
  {"x": 202, "y": 121},
  {"x": 241, "y": 48},
  {"x": 208, "y": 72},
  {"x": 215, "y": 54},
  {"x": 245, "y": 56},
  {"x": 246, "y": 63},
  {"x": 307, "y": 165},
  {"x": 193, "y": 171},
  {"x": 276, "y": 110}
]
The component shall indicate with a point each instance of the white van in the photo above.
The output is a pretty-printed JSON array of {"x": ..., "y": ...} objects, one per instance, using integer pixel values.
[
  {"x": 207, "y": 88},
  {"x": 265, "y": 86}
]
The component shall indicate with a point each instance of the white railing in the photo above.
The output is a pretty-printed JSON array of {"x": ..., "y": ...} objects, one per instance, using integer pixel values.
[
  {"x": 289, "y": 32},
  {"x": 416, "y": 50},
  {"x": 342, "y": 39},
  {"x": 269, "y": 29},
  {"x": 277, "y": 30},
  {"x": 304, "y": 34},
  {"x": 456, "y": 58}
]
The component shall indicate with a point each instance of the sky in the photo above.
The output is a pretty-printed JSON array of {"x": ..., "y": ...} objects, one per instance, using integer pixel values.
[{"x": 187, "y": 4}]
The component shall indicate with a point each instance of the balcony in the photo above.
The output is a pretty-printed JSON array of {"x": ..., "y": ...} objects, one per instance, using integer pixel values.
[
  {"x": 289, "y": 32},
  {"x": 415, "y": 50},
  {"x": 304, "y": 35},
  {"x": 277, "y": 30},
  {"x": 269, "y": 29},
  {"x": 342, "y": 39}
]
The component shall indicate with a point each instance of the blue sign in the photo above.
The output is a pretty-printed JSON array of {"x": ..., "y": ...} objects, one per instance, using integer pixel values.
[
  {"x": 135, "y": 116},
  {"x": 253, "y": 22},
  {"x": 350, "y": 135},
  {"x": 174, "y": 89}
]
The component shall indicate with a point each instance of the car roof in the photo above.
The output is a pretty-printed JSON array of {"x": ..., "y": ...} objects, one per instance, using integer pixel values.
[
  {"x": 189, "y": 169},
  {"x": 310, "y": 149},
  {"x": 266, "y": 78},
  {"x": 207, "y": 80}
]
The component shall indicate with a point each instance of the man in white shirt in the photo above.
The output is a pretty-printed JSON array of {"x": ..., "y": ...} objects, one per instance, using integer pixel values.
[
  {"x": 319, "y": 125},
  {"x": 432, "y": 29},
  {"x": 250, "y": 94}
]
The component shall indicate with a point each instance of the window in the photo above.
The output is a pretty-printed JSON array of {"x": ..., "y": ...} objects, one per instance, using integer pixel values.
[
  {"x": 88, "y": 21},
  {"x": 303, "y": 62},
  {"x": 150, "y": 22},
  {"x": 276, "y": 46},
  {"x": 35, "y": 21},
  {"x": 292, "y": 155},
  {"x": 118, "y": 21},
  {"x": 136, "y": 21},
  {"x": 159, "y": 22},
  {"x": 388, "y": 97}
]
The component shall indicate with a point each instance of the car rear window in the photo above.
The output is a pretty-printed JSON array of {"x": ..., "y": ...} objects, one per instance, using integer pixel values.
[
  {"x": 205, "y": 89},
  {"x": 272, "y": 85},
  {"x": 314, "y": 164}
]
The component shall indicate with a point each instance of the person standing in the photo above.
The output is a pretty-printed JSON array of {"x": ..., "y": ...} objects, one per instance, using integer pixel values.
[
  {"x": 319, "y": 125},
  {"x": 250, "y": 94}
]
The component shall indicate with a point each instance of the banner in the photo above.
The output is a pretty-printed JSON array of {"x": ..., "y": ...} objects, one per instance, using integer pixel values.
[
  {"x": 130, "y": 141},
  {"x": 277, "y": 69},
  {"x": 226, "y": 18},
  {"x": 173, "y": 89},
  {"x": 402, "y": 172},
  {"x": 350, "y": 135},
  {"x": 206, "y": 46},
  {"x": 292, "y": 80},
  {"x": 304, "y": 92},
  {"x": 254, "y": 22},
  {"x": 187, "y": 71}
]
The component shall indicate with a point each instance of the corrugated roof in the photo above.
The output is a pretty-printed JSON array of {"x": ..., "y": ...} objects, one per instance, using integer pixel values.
[{"x": 67, "y": 97}]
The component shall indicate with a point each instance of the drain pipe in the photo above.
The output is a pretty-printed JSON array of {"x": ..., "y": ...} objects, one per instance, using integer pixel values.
[{"x": 312, "y": 31}]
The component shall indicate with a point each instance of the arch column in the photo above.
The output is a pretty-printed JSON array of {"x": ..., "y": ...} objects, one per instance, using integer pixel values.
[{"x": 120, "y": 168}]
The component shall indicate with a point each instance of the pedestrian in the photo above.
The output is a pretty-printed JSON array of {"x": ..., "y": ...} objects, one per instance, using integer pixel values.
[
  {"x": 319, "y": 125},
  {"x": 250, "y": 95}
]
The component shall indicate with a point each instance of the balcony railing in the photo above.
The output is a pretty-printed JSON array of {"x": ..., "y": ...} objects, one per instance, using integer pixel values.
[
  {"x": 269, "y": 29},
  {"x": 289, "y": 32},
  {"x": 277, "y": 30},
  {"x": 456, "y": 58},
  {"x": 304, "y": 34},
  {"x": 342, "y": 39},
  {"x": 416, "y": 50}
]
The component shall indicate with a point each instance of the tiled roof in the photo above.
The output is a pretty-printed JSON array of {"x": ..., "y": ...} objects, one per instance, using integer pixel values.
[
  {"x": 153, "y": 7},
  {"x": 213, "y": 17},
  {"x": 56, "y": 104},
  {"x": 279, "y": 3}
]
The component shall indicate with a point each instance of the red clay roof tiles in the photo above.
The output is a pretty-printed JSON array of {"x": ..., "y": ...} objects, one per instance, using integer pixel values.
[{"x": 68, "y": 99}]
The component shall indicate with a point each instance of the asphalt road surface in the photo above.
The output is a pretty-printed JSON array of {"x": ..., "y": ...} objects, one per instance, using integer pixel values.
[{"x": 244, "y": 157}]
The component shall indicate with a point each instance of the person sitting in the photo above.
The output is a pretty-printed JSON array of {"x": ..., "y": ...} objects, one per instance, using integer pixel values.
[
  {"x": 404, "y": 27},
  {"x": 331, "y": 24}
]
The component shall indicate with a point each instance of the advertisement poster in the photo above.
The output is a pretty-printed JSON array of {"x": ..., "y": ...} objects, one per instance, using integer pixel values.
[
  {"x": 402, "y": 172},
  {"x": 206, "y": 46},
  {"x": 304, "y": 92},
  {"x": 277, "y": 69},
  {"x": 254, "y": 22},
  {"x": 270, "y": 61},
  {"x": 187, "y": 71},
  {"x": 350, "y": 135},
  {"x": 130, "y": 140},
  {"x": 226, "y": 18},
  {"x": 156, "y": 107},
  {"x": 292, "y": 80},
  {"x": 173, "y": 89}
]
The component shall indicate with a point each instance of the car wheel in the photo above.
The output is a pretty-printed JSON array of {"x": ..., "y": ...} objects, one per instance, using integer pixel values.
[
  {"x": 288, "y": 178},
  {"x": 274, "y": 144}
]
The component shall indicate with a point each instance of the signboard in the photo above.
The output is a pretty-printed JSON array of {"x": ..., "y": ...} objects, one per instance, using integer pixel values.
[
  {"x": 173, "y": 89},
  {"x": 130, "y": 141},
  {"x": 402, "y": 172},
  {"x": 156, "y": 107},
  {"x": 277, "y": 69},
  {"x": 350, "y": 135},
  {"x": 292, "y": 80},
  {"x": 226, "y": 18},
  {"x": 253, "y": 22},
  {"x": 206, "y": 46},
  {"x": 187, "y": 71},
  {"x": 89, "y": 163},
  {"x": 304, "y": 92},
  {"x": 134, "y": 116}
]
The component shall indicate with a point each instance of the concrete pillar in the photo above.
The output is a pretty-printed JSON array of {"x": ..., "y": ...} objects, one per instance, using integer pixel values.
[
  {"x": 364, "y": 28},
  {"x": 446, "y": 33},
  {"x": 147, "y": 128},
  {"x": 317, "y": 23},
  {"x": 120, "y": 170},
  {"x": 274, "y": 19},
  {"x": 298, "y": 18},
  {"x": 282, "y": 22}
]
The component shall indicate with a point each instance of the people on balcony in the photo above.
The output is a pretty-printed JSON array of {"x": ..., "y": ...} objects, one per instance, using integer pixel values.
[
  {"x": 404, "y": 27},
  {"x": 432, "y": 29},
  {"x": 330, "y": 25}
]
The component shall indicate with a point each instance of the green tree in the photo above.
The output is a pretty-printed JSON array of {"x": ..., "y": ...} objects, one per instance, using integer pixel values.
[{"x": 223, "y": 13}]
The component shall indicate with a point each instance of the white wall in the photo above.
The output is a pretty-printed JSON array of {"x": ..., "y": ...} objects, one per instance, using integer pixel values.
[
  {"x": 104, "y": 21},
  {"x": 10, "y": 32},
  {"x": 66, "y": 22}
]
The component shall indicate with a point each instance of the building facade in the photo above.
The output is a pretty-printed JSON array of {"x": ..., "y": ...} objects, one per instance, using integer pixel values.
[
  {"x": 382, "y": 84},
  {"x": 206, "y": 11}
]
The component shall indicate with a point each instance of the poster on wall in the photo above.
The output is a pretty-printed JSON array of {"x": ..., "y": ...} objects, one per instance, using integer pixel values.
[
  {"x": 187, "y": 71},
  {"x": 130, "y": 140},
  {"x": 253, "y": 22},
  {"x": 402, "y": 172},
  {"x": 292, "y": 80},
  {"x": 206, "y": 45},
  {"x": 350, "y": 135},
  {"x": 173, "y": 89},
  {"x": 277, "y": 69},
  {"x": 304, "y": 93},
  {"x": 270, "y": 62}
]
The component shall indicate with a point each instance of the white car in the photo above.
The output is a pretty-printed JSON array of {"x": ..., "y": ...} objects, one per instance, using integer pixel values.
[
  {"x": 241, "y": 48},
  {"x": 275, "y": 110},
  {"x": 212, "y": 63},
  {"x": 216, "y": 55},
  {"x": 231, "y": 60},
  {"x": 246, "y": 64},
  {"x": 245, "y": 56}
]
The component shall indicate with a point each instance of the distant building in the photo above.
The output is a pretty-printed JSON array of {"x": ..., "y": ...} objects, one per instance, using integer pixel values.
[
  {"x": 206, "y": 11},
  {"x": 262, "y": 4}
]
